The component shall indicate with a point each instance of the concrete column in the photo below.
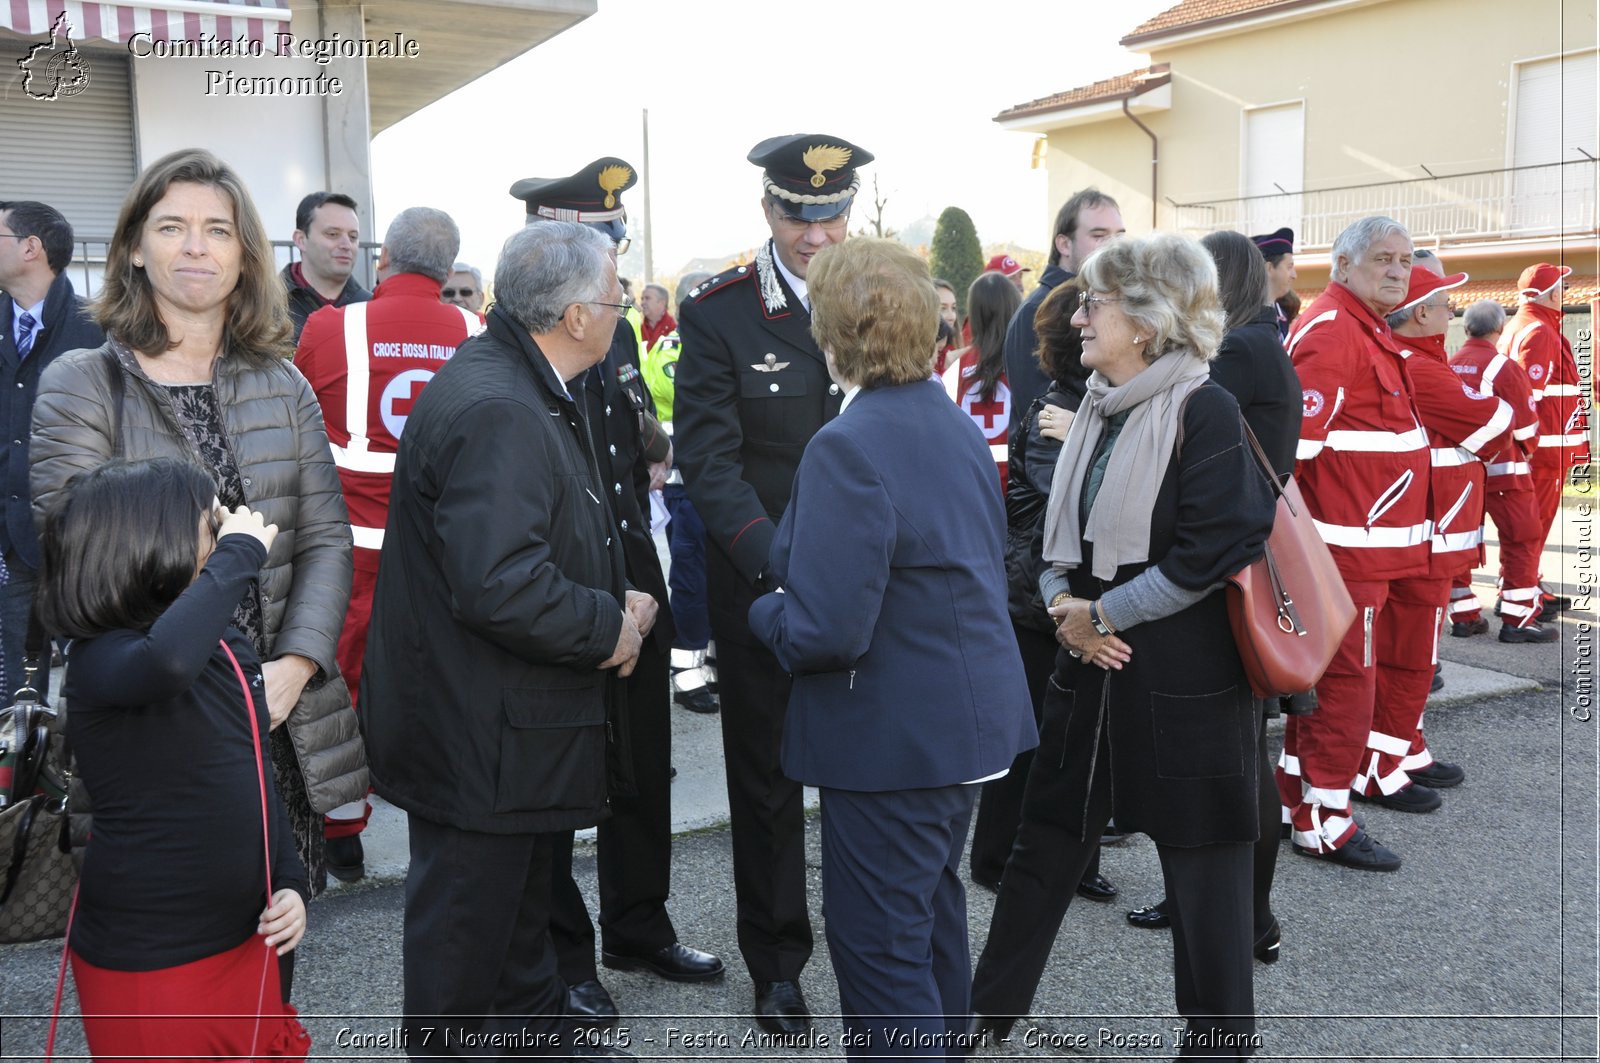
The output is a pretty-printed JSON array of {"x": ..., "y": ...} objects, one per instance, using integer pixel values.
[{"x": 347, "y": 125}]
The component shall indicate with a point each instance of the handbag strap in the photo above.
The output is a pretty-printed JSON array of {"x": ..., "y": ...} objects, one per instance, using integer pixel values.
[{"x": 266, "y": 830}]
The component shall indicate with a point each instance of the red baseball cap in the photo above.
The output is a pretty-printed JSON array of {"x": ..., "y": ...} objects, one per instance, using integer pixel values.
[
  {"x": 1425, "y": 284},
  {"x": 1538, "y": 279},
  {"x": 1007, "y": 265}
]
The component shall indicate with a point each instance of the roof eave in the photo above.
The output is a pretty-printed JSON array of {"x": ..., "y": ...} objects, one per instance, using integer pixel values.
[
  {"x": 1239, "y": 22},
  {"x": 1153, "y": 96}
]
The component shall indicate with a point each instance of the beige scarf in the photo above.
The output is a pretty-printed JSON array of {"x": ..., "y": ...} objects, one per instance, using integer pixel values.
[{"x": 1119, "y": 521}]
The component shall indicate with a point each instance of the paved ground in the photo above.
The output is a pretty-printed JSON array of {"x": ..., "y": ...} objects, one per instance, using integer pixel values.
[{"x": 1483, "y": 947}]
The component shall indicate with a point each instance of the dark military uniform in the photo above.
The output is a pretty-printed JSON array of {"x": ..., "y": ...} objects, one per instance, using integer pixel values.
[
  {"x": 752, "y": 389},
  {"x": 635, "y": 854}
]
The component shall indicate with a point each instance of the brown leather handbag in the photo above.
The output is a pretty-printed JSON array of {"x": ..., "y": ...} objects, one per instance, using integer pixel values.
[{"x": 1289, "y": 609}]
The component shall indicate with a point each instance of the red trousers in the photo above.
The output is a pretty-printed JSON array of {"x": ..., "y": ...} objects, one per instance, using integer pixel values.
[
  {"x": 351, "y": 652},
  {"x": 1322, "y": 753},
  {"x": 1522, "y": 533},
  {"x": 228, "y": 1006},
  {"x": 1407, "y": 649}
]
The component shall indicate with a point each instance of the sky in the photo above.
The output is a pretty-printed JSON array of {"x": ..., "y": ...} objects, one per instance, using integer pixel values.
[{"x": 917, "y": 84}]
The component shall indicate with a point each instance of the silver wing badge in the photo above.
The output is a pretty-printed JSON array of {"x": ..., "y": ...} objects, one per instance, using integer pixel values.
[{"x": 770, "y": 364}]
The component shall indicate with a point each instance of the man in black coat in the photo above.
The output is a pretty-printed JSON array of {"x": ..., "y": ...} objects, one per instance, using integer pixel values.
[
  {"x": 752, "y": 389},
  {"x": 1083, "y": 223},
  {"x": 635, "y": 850},
  {"x": 40, "y": 317},
  {"x": 501, "y": 624}
]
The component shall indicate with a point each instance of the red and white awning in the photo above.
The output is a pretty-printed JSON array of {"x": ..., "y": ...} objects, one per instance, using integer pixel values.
[{"x": 161, "y": 20}]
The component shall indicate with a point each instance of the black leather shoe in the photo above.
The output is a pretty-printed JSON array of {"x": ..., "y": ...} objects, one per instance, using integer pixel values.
[
  {"x": 1266, "y": 946},
  {"x": 1554, "y": 606},
  {"x": 589, "y": 1003},
  {"x": 698, "y": 700},
  {"x": 676, "y": 962},
  {"x": 781, "y": 1009},
  {"x": 1097, "y": 887},
  {"x": 1361, "y": 852},
  {"x": 1438, "y": 681},
  {"x": 345, "y": 858},
  {"x": 1439, "y": 775},
  {"x": 1465, "y": 629},
  {"x": 1413, "y": 798},
  {"x": 988, "y": 882},
  {"x": 986, "y": 1031},
  {"x": 1113, "y": 835},
  {"x": 1151, "y": 917},
  {"x": 1534, "y": 632}
]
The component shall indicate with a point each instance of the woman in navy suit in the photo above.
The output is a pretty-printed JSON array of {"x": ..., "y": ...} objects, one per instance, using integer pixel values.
[{"x": 893, "y": 533}]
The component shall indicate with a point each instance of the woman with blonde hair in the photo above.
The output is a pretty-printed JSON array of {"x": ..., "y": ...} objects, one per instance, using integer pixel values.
[
  {"x": 1156, "y": 498},
  {"x": 893, "y": 530}
]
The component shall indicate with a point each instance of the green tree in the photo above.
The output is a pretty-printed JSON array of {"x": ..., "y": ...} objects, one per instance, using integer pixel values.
[{"x": 956, "y": 254}]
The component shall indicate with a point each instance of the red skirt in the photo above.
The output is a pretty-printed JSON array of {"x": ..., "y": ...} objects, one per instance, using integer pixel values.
[{"x": 228, "y": 1006}]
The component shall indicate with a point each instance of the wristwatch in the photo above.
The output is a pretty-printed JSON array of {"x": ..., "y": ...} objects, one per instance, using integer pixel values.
[{"x": 1100, "y": 625}]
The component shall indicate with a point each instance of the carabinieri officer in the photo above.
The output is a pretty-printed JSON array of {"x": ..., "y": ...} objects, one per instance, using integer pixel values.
[{"x": 752, "y": 390}]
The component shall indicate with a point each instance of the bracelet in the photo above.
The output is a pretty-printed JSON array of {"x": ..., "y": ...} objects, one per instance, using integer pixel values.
[
  {"x": 1064, "y": 596},
  {"x": 1099, "y": 622}
]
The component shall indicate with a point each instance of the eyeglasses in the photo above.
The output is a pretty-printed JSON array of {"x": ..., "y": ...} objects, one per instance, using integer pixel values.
[
  {"x": 16, "y": 236},
  {"x": 451, "y": 293},
  {"x": 621, "y": 308},
  {"x": 1092, "y": 301},
  {"x": 1445, "y": 306}
]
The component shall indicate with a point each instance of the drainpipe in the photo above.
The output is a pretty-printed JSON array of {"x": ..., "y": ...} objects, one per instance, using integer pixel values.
[{"x": 1155, "y": 158}]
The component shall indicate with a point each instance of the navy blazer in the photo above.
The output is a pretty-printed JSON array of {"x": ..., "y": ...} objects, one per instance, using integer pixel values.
[{"x": 893, "y": 619}]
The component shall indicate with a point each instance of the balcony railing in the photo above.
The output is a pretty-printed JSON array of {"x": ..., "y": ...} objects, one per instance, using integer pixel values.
[{"x": 1525, "y": 202}]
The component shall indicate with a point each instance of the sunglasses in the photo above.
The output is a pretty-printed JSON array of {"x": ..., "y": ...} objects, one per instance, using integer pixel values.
[{"x": 451, "y": 293}]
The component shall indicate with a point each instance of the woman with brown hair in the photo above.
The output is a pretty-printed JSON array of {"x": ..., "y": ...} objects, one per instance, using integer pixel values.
[
  {"x": 196, "y": 366},
  {"x": 975, "y": 376}
]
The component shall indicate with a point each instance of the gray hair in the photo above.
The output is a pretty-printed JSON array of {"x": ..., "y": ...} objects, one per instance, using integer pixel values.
[
  {"x": 662, "y": 288},
  {"x": 423, "y": 240},
  {"x": 1357, "y": 237},
  {"x": 1484, "y": 318},
  {"x": 545, "y": 268},
  {"x": 689, "y": 283},
  {"x": 1168, "y": 285},
  {"x": 477, "y": 274},
  {"x": 1402, "y": 317}
]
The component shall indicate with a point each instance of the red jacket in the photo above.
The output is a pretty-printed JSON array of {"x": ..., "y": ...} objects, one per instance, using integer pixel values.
[
  {"x": 1362, "y": 462},
  {"x": 1533, "y": 338},
  {"x": 1488, "y": 372},
  {"x": 1464, "y": 429},
  {"x": 993, "y": 418},
  {"x": 648, "y": 333},
  {"x": 403, "y": 336}
]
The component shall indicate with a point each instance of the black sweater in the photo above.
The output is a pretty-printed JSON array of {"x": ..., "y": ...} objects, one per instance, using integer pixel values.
[{"x": 173, "y": 871}]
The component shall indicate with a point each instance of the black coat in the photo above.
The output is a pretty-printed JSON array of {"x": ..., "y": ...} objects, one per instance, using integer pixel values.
[
  {"x": 499, "y": 591},
  {"x": 67, "y": 327},
  {"x": 753, "y": 389},
  {"x": 1254, "y": 368},
  {"x": 1023, "y": 375},
  {"x": 1181, "y": 714},
  {"x": 615, "y": 397}
]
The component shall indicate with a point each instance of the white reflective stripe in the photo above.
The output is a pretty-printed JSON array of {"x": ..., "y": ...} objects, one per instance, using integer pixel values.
[
  {"x": 1490, "y": 372},
  {"x": 363, "y": 460},
  {"x": 1563, "y": 390},
  {"x": 468, "y": 318},
  {"x": 1393, "y": 782},
  {"x": 1324, "y": 831},
  {"x": 1383, "y": 743},
  {"x": 1561, "y": 440},
  {"x": 358, "y": 378},
  {"x": 1508, "y": 468},
  {"x": 1438, "y": 629},
  {"x": 1386, "y": 442},
  {"x": 1512, "y": 609},
  {"x": 1448, "y": 457},
  {"x": 1316, "y": 795},
  {"x": 1294, "y": 341},
  {"x": 1526, "y": 432},
  {"x": 1497, "y": 424},
  {"x": 1000, "y": 451},
  {"x": 1455, "y": 510},
  {"x": 1374, "y": 538},
  {"x": 1390, "y": 497},
  {"x": 1416, "y": 761},
  {"x": 1289, "y": 764},
  {"x": 1520, "y": 594},
  {"x": 1307, "y": 449},
  {"x": 1455, "y": 542},
  {"x": 1465, "y": 606},
  {"x": 367, "y": 538}
]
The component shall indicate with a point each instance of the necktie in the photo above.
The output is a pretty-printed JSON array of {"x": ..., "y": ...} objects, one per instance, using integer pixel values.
[{"x": 25, "y": 341}]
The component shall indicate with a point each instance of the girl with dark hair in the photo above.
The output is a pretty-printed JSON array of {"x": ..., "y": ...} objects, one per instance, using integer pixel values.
[
  {"x": 176, "y": 933},
  {"x": 975, "y": 376}
]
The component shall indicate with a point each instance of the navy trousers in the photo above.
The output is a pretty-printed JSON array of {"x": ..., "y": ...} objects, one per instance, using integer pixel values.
[{"x": 686, "y": 578}]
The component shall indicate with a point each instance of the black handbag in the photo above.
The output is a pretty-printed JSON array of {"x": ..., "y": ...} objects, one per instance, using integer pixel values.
[{"x": 37, "y": 871}]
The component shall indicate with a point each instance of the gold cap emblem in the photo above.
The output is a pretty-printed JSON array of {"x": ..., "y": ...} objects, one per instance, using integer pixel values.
[
  {"x": 820, "y": 158},
  {"x": 613, "y": 178}
]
